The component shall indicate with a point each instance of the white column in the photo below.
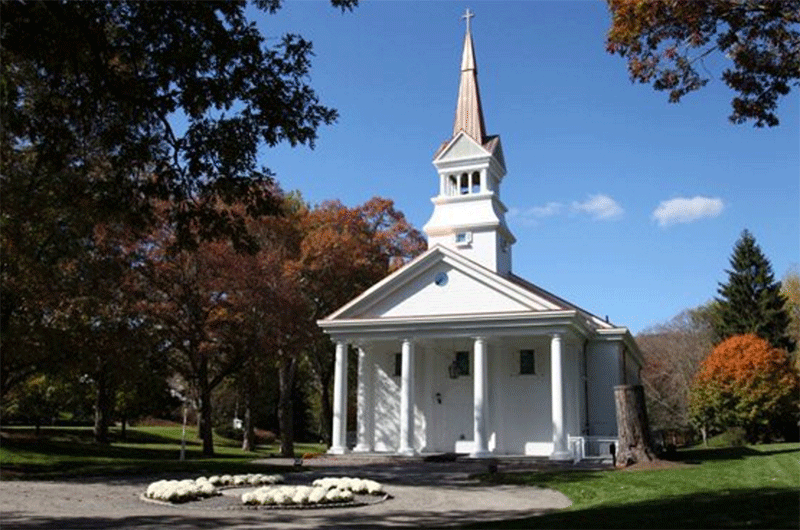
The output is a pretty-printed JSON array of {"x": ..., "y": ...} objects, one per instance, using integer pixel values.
[
  {"x": 407, "y": 400},
  {"x": 366, "y": 413},
  {"x": 339, "y": 435},
  {"x": 560, "y": 450},
  {"x": 480, "y": 393}
]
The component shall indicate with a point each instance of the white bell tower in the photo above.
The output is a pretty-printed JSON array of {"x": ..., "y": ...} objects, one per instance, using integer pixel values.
[{"x": 468, "y": 215}]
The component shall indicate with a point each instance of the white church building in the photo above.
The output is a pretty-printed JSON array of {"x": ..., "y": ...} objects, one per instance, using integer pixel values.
[{"x": 458, "y": 354}]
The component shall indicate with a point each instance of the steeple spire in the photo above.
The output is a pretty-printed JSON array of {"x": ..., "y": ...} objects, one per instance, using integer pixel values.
[{"x": 469, "y": 114}]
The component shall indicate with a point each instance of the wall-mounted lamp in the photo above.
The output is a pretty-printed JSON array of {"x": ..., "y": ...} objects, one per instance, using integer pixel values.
[
  {"x": 439, "y": 398},
  {"x": 453, "y": 370}
]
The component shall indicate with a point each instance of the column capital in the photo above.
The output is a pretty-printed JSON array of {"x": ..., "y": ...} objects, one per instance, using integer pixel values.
[{"x": 557, "y": 335}]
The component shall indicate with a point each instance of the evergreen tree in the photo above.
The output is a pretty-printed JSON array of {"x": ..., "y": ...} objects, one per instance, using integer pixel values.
[{"x": 751, "y": 300}]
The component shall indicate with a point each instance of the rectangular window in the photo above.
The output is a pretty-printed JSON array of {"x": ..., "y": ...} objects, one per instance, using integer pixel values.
[
  {"x": 462, "y": 363},
  {"x": 398, "y": 364},
  {"x": 463, "y": 238},
  {"x": 527, "y": 362}
]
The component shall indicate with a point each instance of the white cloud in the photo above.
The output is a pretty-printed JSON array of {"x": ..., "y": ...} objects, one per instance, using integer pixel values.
[
  {"x": 529, "y": 216},
  {"x": 548, "y": 210},
  {"x": 600, "y": 207},
  {"x": 687, "y": 210}
]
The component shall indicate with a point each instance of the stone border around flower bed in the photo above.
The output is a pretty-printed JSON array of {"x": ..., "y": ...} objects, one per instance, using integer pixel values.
[{"x": 204, "y": 504}]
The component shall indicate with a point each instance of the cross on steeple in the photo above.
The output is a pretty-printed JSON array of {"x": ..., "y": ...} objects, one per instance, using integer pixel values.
[{"x": 467, "y": 16}]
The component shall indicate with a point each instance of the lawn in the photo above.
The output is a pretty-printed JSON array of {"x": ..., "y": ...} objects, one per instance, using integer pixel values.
[
  {"x": 71, "y": 451},
  {"x": 743, "y": 487}
]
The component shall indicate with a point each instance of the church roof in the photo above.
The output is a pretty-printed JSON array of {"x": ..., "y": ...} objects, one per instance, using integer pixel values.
[
  {"x": 469, "y": 113},
  {"x": 485, "y": 292}
]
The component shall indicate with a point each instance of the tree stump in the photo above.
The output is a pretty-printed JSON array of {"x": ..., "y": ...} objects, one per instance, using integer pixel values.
[{"x": 632, "y": 425}]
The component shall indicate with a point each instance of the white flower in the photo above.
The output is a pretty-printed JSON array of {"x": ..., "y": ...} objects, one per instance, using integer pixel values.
[
  {"x": 301, "y": 495},
  {"x": 226, "y": 479},
  {"x": 374, "y": 488},
  {"x": 180, "y": 491},
  {"x": 280, "y": 498},
  {"x": 338, "y": 495},
  {"x": 215, "y": 480},
  {"x": 317, "y": 495}
]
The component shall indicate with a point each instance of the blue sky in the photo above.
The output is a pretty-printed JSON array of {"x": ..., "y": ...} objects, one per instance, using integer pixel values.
[{"x": 597, "y": 166}]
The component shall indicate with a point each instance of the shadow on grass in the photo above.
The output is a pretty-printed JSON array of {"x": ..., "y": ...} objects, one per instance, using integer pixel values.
[
  {"x": 699, "y": 455},
  {"x": 743, "y": 508},
  {"x": 542, "y": 479},
  {"x": 58, "y": 454}
]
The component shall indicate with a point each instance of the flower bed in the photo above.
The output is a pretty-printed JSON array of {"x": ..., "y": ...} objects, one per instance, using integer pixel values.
[
  {"x": 329, "y": 490},
  {"x": 177, "y": 491},
  {"x": 181, "y": 490},
  {"x": 250, "y": 479},
  {"x": 356, "y": 485},
  {"x": 295, "y": 495}
]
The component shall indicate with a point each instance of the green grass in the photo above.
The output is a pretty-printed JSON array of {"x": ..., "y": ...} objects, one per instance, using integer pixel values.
[
  {"x": 71, "y": 451},
  {"x": 742, "y": 487}
]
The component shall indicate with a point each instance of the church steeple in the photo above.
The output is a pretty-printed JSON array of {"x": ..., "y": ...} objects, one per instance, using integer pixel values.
[
  {"x": 469, "y": 114},
  {"x": 468, "y": 215}
]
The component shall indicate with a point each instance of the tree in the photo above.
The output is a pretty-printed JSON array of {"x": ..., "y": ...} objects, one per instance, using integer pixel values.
[
  {"x": 672, "y": 354},
  {"x": 746, "y": 383},
  {"x": 343, "y": 252},
  {"x": 111, "y": 110},
  {"x": 666, "y": 41},
  {"x": 274, "y": 317},
  {"x": 790, "y": 289},
  {"x": 751, "y": 300},
  {"x": 190, "y": 302}
]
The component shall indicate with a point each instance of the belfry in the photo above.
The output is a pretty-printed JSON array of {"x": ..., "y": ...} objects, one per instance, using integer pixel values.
[{"x": 468, "y": 215}]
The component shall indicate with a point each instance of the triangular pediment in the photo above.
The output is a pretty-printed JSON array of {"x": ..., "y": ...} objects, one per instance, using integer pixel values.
[
  {"x": 460, "y": 147},
  {"x": 442, "y": 282}
]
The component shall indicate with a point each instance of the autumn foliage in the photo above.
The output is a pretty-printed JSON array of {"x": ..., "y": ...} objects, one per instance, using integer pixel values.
[
  {"x": 665, "y": 43},
  {"x": 746, "y": 383}
]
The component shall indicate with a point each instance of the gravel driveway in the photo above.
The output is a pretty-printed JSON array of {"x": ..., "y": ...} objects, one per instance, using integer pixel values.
[{"x": 424, "y": 495}]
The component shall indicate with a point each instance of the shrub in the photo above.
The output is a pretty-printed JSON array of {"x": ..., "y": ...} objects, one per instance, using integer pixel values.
[
  {"x": 733, "y": 437},
  {"x": 265, "y": 437},
  {"x": 746, "y": 383}
]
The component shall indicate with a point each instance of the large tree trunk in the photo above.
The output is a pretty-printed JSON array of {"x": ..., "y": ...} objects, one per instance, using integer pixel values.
[
  {"x": 249, "y": 438},
  {"x": 102, "y": 406},
  {"x": 286, "y": 371},
  {"x": 632, "y": 425}
]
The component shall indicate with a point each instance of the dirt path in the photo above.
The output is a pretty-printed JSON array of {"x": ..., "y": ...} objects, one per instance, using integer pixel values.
[{"x": 424, "y": 495}]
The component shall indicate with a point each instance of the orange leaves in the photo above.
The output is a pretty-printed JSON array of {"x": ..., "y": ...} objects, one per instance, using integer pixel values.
[
  {"x": 345, "y": 250},
  {"x": 665, "y": 42},
  {"x": 746, "y": 383},
  {"x": 743, "y": 358}
]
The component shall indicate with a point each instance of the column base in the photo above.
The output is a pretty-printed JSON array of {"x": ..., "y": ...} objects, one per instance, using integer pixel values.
[
  {"x": 362, "y": 449},
  {"x": 561, "y": 455},
  {"x": 406, "y": 452},
  {"x": 481, "y": 454},
  {"x": 337, "y": 450}
]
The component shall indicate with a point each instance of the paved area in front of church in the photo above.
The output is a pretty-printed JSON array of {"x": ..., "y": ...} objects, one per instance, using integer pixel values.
[{"x": 425, "y": 494}]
